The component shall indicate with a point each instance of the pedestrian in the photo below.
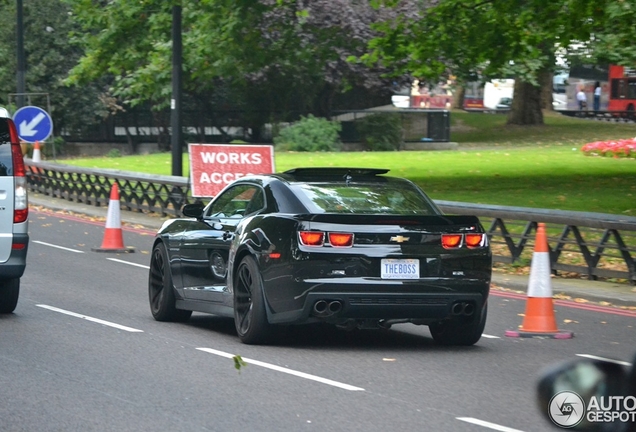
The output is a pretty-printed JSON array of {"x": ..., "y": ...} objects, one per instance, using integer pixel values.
[
  {"x": 582, "y": 98},
  {"x": 597, "y": 96}
]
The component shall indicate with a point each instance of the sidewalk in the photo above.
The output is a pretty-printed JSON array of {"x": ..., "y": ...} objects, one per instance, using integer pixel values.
[{"x": 595, "y": 291}]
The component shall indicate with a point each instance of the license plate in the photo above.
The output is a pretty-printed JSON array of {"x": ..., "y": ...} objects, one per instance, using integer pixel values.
[{"x": 400, "y": 269}]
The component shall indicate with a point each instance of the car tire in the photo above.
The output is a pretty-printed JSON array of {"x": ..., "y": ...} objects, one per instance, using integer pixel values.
[
  {"x": 9, "y": 293},
  {"x": 250, "y": 317},
  {"x": 457, "y": 331},
  {"x": 161, "y": 290}
]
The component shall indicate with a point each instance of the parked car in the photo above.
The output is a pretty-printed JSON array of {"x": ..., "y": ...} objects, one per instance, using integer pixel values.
[
  {"x": 504, "y": 103},
  {"x": 590, "y": 395},
  {"x": 14, "y": 212},
  {"x": 346, "y": 246}
]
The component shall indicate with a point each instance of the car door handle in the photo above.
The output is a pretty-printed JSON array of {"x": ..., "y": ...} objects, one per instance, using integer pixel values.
[{"x": 227, "y": 235}]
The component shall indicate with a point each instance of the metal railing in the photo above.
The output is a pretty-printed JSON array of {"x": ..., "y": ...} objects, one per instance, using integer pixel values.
[
  {"x": 138, "y": 192},
  {"x": 588, "y": 244}
]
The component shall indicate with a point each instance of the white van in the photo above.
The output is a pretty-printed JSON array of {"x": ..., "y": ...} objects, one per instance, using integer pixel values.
[{"x": 14, "y": 213}]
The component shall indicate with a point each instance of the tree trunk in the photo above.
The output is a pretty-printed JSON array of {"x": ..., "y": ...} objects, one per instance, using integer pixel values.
[
  {"x": 546, "y": 79},
  {"x": 458, "y": 96},
  {"x": 526, "y": 105}
]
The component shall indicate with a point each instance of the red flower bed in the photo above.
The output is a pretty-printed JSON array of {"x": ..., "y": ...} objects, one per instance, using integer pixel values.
[{"x": 617, "y": 148}]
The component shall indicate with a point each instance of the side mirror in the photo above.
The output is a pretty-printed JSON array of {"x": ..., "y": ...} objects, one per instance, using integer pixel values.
[
  {"x": 588, "y": 395},
  {"x": 193, "y": 210}
]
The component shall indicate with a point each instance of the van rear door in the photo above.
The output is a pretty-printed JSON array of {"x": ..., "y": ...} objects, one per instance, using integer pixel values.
[{"x": 7, "y": 189}]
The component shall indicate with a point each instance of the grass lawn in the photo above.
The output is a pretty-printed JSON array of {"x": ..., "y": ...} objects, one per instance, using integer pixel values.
[{"x": 540, "y": 167}]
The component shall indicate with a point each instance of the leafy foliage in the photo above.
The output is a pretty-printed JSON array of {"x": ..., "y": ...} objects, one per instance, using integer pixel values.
[
  {"x": 494, "y": 39},
  {"x": 310, "y": 134},
  {"x": 381, "y": 132},
  {"x": 49, "y": 57},
  {"x": 272, "y": 56}
]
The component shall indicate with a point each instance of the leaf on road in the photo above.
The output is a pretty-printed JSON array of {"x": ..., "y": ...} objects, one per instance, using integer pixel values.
[
  {"x": 581, "y": 300},
  {"x": 238, "y": 362},
  {"x": 388, "y": 359}
]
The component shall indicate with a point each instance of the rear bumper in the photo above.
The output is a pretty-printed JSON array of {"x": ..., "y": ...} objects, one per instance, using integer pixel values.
[
  {"x": 14, "y": 267},
  {"x": 421, "y": 303}
]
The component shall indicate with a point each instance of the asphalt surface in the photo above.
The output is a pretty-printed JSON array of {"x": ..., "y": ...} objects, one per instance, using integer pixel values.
[{"x": 622, "y": 295}]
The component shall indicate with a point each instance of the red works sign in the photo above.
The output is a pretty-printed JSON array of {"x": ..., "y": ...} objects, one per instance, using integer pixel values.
[{"x": 214, "y": 166}]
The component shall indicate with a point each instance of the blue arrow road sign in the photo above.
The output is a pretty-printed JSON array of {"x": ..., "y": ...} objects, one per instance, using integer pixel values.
[{"x": 33, "y": 124}]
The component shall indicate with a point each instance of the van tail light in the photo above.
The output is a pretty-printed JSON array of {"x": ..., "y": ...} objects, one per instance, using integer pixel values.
[
  {"x": 341, "y": 239},
  {"x": 451, "y": 241},
  {"x": 475, "y": 240},
  {"x": 21, "y": 204},
  {"x": 311, "y": 238}
]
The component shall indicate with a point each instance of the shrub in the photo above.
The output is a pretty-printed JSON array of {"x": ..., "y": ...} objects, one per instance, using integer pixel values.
[
  {"x": 310, "y": 134},
  {"x": 47, "y": 149},
  {"x": 113, "y": 153},
  {"x": 380, "y": 132}
]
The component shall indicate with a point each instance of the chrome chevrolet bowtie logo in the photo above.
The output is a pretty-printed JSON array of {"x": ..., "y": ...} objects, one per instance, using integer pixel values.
[{"x": 399, "y": 239}]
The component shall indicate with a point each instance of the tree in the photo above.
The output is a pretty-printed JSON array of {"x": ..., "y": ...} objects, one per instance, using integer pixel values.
[
  {"x": 491, "y": 39},
  {"x": 49, "y": 57},
  {"x": 268, "y": 56}
]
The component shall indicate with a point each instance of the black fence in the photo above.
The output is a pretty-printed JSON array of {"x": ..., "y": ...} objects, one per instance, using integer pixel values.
[
  {"x": 588, "y": 244},
  {"x": 418, "y": 125},
  {"x": 221, "y": 126},
  {"x": 610, "y": 116}
]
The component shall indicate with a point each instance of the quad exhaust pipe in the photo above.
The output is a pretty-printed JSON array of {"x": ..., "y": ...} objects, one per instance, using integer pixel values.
[
  {"x": 324, "y": 308},
  {"x": 463, "y": 308}
]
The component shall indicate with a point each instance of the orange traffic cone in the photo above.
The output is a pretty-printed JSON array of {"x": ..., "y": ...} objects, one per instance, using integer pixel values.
[
  {"x": 113, "y": 236},
  {"x": 37, "y": 155},
  {"x": 539, "y": 319}
]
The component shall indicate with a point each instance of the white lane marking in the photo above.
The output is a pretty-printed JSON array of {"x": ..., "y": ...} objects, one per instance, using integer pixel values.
[
  {"x": 57, "y": 247},
  {"x": 487, "y": 336},
  {"x": 87, "y": 318},
  {"x": 593, "y": 357},
  {"x": 129, "y": 263},
  {"x": 486, "y": 424},
  {"x": 285, "y": 370}
]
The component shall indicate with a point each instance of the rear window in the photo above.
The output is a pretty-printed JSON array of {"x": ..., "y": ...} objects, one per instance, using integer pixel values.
[
  {"x": 365, "y": 198},
  {"x": 6, "y": 160}
]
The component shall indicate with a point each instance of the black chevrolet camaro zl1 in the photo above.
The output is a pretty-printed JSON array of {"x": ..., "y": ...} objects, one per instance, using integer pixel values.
[{"x": 344, "y": 246}]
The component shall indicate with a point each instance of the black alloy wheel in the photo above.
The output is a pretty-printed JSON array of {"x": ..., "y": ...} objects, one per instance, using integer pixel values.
[
  {"x": 160, "y": 289},
  {"x": 250, "y": 317}
]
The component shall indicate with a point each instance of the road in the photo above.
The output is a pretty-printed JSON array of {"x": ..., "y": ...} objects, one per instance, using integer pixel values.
[{"x": 83, "y": 353}]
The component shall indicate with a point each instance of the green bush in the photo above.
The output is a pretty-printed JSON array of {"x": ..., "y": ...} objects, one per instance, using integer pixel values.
[
  {"x": 46, "y": 149},
  {"x": 380, "y": 132},
  {"x": 310, "y": 134},
  {"x": 113, "y": 153}
]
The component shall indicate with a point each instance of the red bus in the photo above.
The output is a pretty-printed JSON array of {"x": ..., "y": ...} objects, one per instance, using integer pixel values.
[{"x": 622, "y": 95}]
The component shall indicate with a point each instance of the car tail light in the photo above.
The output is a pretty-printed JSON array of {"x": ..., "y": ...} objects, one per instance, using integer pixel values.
[
  {"x": 474, "y": 240},
  {"x": 451, "y": 241},
  {"x": 21, "y": 205},
  {"x": 312, "y": 238},
  {"x": 341, "y": 239}
]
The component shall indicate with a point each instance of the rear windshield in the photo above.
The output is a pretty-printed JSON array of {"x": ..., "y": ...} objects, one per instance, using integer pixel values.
[
  {"x": 365, "y": 198},
  {"x": 6, "y": 161}
]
